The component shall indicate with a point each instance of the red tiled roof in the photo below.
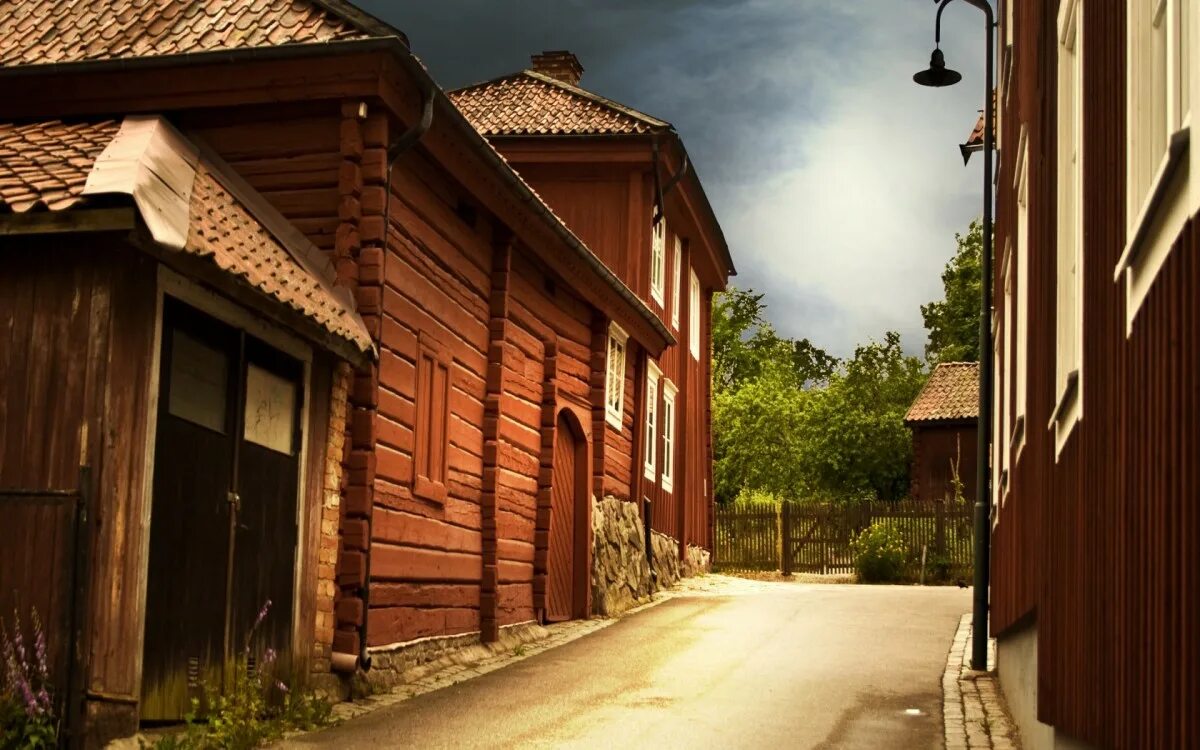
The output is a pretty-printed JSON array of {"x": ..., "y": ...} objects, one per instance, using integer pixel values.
[
  {"x": 47, "y": 163},
  {"x": 56, "y": 31},
  {"x": 951, "y": 393},
  {"x": 531, "y": 103}
]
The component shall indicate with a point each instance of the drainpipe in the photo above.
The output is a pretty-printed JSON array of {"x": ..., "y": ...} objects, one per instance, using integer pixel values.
[
  {"x": 661, "y": 190},
  {"x": 410, "y": 138}
]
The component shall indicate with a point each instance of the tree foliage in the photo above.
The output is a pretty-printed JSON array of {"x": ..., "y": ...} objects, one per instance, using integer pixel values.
[
  {"x": 953, "y": 322},
  {"x": 792, "y": 421}
]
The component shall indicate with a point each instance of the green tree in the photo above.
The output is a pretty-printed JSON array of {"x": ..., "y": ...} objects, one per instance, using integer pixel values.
[
  {"x": 953, "y": 322},
  {"x": 853, "y": 442},
  {"x": 745, "y": 345}
]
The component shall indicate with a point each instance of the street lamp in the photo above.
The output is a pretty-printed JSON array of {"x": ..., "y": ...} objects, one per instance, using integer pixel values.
[{"x": 938, "y": 75}]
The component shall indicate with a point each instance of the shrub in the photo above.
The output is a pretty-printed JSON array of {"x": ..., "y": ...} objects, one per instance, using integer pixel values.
[
  {"x": 27, "y": 718},
  {"x": 879, "y": 553}
]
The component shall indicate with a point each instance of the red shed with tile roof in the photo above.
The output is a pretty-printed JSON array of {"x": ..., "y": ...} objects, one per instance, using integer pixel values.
[{"x": 943, "y": 421}]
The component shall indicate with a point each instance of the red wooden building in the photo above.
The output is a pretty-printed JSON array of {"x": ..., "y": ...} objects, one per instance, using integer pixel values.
[
  {"x": 273, "y": 207},
  {"x": 1094, "y": 599},
  {"x": 622, "y": 181},
  {"x": 943, "y": 420}
]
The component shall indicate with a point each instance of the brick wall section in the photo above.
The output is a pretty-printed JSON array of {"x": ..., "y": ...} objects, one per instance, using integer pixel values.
[{"x": 331, "y": 501}]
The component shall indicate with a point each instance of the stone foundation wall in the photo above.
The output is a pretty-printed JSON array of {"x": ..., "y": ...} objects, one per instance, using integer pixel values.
[{"x": 621, "y": 575}]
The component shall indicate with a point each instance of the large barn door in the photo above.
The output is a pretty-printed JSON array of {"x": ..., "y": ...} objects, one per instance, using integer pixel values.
[
  {"x": 560, "y": 599},
  {"x": 223, "y": 515}
]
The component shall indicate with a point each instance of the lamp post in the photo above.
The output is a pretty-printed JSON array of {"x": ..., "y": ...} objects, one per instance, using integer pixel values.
[{"x": 939, "y": 75}]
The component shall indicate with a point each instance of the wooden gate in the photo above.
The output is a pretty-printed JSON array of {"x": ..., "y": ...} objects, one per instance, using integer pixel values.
[
  {"x": 43, "y": 569},
  {"x": 560, "y": 578},
  {"x": 223, "y": 525}
]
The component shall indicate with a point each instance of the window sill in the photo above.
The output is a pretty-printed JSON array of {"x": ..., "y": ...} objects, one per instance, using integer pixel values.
[
  {"x": 1176, "y": 156},
  {"x": 648, "y": 473},
  {"x": 427, "y": 489},
  {"x": 658, "y": 296},
  {"x": 613, "y": 419},
  {"x": 1016, "y": 443},
  {"x": 1067, "y": 413},
  {"x": 667, "y": 486}
]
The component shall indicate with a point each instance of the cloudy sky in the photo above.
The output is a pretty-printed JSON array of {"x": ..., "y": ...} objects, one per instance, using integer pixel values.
[{"x": 837, "y": 180}]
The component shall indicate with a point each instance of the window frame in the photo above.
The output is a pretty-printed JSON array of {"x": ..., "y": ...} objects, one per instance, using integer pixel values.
[
  {"x": 651, "y": 421},
  {"x": 1161, "y": 196},
  {"x": 658, "y": 259},
  {"x": 614, "y": 381},
  {"x": 1068, "y": 349},
  {"x": 678, "y": 281},
  {"x": 1020, "y": 246},
  {"x": 669, "y": 391},
  {"x": 694, "y": 314}
]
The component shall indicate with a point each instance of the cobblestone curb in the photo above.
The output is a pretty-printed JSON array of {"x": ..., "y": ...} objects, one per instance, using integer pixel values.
[{"x": 972, "y": 706}]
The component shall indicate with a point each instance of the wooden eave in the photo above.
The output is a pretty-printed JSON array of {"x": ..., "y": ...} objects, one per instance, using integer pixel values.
[{"x": 376, "y": 69}]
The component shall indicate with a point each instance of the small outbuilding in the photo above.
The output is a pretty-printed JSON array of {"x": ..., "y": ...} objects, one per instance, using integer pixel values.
[{"x": 944, "y": 421}]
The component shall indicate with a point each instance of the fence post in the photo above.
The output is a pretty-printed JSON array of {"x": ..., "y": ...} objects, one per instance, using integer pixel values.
[
  {"x": 785, "y": 539},
  {"x": 939, "y": 532}
]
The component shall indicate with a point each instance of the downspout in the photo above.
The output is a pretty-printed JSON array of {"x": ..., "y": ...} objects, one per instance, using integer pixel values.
[
  {"x": 661, "y": 190},
  {"x": 405, "y": 142}
]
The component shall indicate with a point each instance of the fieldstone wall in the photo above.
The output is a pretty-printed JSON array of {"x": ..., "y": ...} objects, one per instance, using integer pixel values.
[{"x": 621, "y": 576}]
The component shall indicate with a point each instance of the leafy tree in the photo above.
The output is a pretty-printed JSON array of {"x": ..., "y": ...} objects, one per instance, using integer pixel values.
[
  {"x": 953, "y": 322},
  {"x": 745, "y": 345},
  {"x": 853, "y": 442}
]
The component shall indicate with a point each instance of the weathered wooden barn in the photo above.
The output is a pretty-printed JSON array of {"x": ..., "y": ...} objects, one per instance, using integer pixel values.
[
  {"x": 622, "y": 181},
  {"x": 328, "y": 222},
  {"x": 1094, "y": 598},
  {"x": 943, "y": 420}
]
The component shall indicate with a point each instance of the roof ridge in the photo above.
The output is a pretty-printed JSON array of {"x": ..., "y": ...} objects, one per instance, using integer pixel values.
[
  {"x": 599, "y": 99},
  {"x": 366, "y": 22}
]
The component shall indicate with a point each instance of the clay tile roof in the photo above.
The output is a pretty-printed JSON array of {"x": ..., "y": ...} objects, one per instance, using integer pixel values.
[
  {"x": 224, "y": 231},
  {"x": 531, "y": 103},
  {"x": 47, "y": 163},
  {"x": 951, "y": 393},
  {"x": 58, "y": 31}
]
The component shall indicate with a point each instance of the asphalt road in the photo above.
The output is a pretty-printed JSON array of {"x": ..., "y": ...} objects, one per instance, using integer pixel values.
[{"x": 783, "y": 666}]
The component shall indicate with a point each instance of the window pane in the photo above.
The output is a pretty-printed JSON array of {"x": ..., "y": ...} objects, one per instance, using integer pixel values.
[
  {"x": 199, "y": 378},
  {"x": 270, "y": 410}
]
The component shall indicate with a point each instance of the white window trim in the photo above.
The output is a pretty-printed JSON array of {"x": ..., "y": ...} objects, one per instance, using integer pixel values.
[
  {"x": 668, "y": 420},
  {"x": 614, "y": 408},
  {"x": 1068, "y": 379},
  {"x": 1016, "y": 440},
  {"x": 694, "y": 313},
  {"x": 1157, "y": 216},
  {"x": 675, "y": 292},
  {"x": 658, "y": 259},
  {"x": 1003, "y": 395},
  {"x": 650, "y": 428}
]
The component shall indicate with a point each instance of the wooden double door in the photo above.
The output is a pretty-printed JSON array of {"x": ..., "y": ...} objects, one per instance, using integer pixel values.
[{"x": 223, "y": 527}]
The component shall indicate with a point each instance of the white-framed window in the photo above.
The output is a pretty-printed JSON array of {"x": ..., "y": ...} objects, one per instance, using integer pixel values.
[
  {"x": 1160, "y": 196},
  {"x": 694, "y": 314},
  {"x": 668, "y": 431},
  {"x": 1004, "y": 395},
  {"x": 677, "y": 281},
  {"x": 614, "y": 383},
  {"x": 1020, "y": 354},
  {"x": 658, "y": 259},
  {"x": 653, "y": 375},
  {"x": 1068, "y": 360},
  {"x": 997, "y": 455}
]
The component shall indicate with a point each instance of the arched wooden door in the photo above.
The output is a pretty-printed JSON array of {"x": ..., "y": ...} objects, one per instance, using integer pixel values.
[{"x": 561, "y": 594}]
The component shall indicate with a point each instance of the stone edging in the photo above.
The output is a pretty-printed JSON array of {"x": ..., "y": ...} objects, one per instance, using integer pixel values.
[{"x": 973, "y": 711}]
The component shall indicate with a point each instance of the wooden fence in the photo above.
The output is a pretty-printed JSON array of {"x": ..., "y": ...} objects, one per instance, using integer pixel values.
[{"x": 815, "y": 537}]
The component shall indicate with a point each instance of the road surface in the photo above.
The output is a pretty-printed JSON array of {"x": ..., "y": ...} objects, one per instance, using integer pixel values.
[{"x": 777, "y": 665}]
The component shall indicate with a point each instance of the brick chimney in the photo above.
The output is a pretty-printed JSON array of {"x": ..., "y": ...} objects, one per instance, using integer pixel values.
[{"x": 559, "y": 64}]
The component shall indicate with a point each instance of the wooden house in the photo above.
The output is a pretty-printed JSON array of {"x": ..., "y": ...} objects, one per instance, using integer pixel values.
[
  {"x": 283, "y": 184},
  {"x": 622, "y": 181},
  {"x": 943, "y": 419},
  {"x": 1094, "y": 601}
]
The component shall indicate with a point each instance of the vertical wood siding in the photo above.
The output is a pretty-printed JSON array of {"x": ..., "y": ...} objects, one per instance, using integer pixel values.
[{"x": 1097, "y": 548}]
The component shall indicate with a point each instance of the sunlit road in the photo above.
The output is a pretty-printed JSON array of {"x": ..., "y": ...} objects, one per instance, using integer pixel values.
[{"x": 769, "y": 665}]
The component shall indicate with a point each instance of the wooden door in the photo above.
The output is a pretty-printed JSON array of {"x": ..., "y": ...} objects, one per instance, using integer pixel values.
[
  {"x": 190, "y": 511},
  {"x": 223, "y": 523},
  {"x": 561, "y": 555}
]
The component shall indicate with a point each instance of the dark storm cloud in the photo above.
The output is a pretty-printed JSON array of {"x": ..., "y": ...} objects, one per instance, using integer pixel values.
[{"x": 836, "y": 179}]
